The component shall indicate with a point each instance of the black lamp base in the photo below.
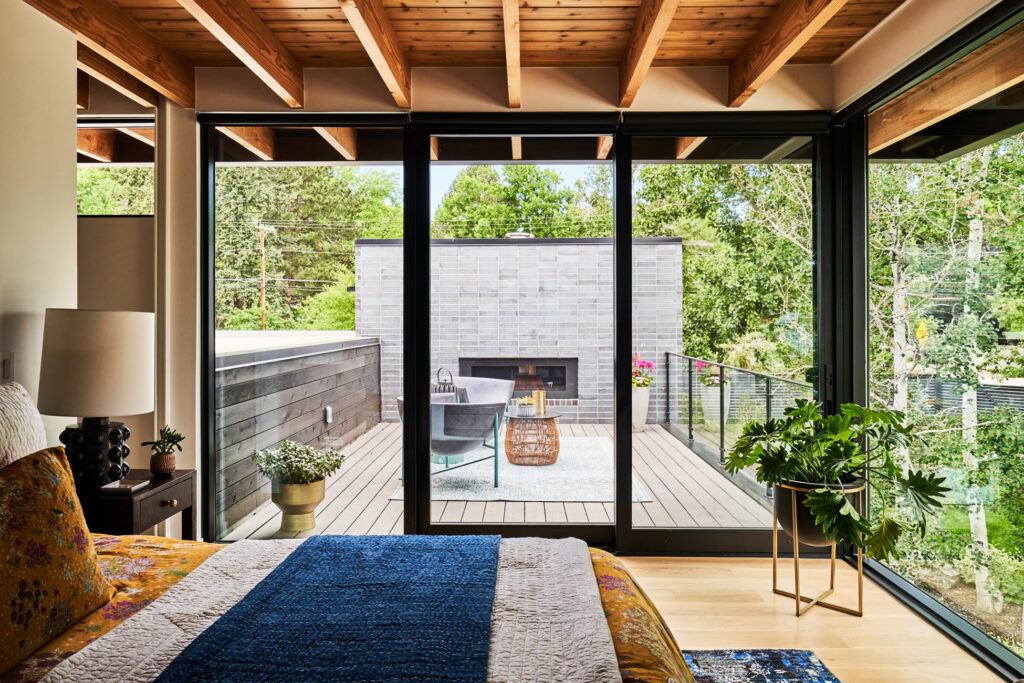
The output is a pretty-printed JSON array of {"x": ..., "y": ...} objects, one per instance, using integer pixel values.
[{"x": 96, "y": 450}]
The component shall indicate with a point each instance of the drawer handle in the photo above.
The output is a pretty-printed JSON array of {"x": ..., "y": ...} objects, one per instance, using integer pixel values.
[{"x": 172, "y": 503}]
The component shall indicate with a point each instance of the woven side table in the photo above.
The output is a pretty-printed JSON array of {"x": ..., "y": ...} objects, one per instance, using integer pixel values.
[{"x": 532, "y": 440}]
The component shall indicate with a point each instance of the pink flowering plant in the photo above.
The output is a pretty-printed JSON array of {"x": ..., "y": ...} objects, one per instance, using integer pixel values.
[
  {"x": 711, "y": 375},
  {"x": 643, "y": 371}
]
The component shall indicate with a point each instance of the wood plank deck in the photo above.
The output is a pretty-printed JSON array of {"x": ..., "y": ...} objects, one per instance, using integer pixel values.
[{"x": 685, "y": 491}]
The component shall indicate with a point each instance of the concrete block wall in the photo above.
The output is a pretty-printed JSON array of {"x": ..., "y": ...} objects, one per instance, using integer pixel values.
[{"x": 534, "y": 298}]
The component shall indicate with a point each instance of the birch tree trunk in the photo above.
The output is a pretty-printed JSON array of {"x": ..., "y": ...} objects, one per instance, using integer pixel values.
[{"x": 900, "y": 351}]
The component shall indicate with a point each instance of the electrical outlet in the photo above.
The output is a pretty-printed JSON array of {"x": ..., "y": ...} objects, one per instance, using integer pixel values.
[
  {"x": 6, "y": 366},
  {"x": 328, "y": 415}
]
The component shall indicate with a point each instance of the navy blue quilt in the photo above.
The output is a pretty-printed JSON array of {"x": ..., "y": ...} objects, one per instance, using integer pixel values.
[{"x": 357, "y": 608}]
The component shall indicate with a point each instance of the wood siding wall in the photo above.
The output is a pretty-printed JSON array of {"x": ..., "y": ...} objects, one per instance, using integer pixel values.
[{"x": 262, "y": 402}]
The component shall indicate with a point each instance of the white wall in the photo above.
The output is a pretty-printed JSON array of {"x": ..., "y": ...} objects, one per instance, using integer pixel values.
[{"x": 37, "y": 185}]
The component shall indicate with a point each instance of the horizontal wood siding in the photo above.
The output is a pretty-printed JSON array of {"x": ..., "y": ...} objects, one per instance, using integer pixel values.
[{"x": 260, "y": 404}]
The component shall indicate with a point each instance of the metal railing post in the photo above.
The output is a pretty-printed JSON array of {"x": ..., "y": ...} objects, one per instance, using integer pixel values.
[
  {"x": 721, "y": 413},
  {"x": 689, "y": 396},
  {"x": 668, "y": 389},
  {"x": 767, "y": 416}
]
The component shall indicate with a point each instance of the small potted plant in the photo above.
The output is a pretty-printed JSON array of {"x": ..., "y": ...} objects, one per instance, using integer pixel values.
[
  {"x": 297, "y": 474},
  {"x": 714, "y": 397},
  {"x": 525, "y": 406},
  {"x": 824, "y": 460},
  {"x": 162, "y": 461},
  {"x": 643, "y": 377}
]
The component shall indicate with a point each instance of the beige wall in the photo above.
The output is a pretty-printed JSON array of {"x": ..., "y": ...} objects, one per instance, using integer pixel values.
[
  {"x": 116, "y": 272},
  {"x": 37, "y": 185}
]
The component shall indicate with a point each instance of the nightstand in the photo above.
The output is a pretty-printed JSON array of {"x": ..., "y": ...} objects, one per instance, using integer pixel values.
[{"x": 123, "y": 514}]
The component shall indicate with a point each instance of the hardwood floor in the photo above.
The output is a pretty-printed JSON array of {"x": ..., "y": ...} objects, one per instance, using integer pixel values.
[
  {"x": 685, "y": 491},
  {"x": 727, "y": 603}
]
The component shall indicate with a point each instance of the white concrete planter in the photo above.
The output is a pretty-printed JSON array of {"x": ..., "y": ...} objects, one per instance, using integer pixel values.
[{"x": 641, "y": 399}]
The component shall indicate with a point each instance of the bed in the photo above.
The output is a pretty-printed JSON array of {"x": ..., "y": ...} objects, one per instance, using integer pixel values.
[{"x": 544, "y": 609}]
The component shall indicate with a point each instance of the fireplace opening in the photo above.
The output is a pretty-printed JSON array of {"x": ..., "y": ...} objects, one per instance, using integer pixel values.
[{"x": 556, "y": 376}]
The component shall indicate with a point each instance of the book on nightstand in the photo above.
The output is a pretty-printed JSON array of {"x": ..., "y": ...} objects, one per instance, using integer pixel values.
[{"x": 125, "y": 486}]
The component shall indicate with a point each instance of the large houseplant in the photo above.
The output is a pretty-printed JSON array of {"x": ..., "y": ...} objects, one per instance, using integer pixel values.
[
  {"x": 297, "y": 474},
  {"x": 825, "y": 459}
]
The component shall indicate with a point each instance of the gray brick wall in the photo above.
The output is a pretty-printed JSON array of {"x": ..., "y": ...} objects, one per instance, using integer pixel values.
[{"x": 526, "y": 299}]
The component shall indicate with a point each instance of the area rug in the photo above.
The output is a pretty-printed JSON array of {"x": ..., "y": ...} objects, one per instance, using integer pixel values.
[
  {"x": 757, "y": 666},
  {"x": 583, "y": 473}
]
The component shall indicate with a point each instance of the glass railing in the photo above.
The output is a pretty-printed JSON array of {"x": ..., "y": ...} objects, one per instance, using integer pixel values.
[{"x": 709, "y": 402}]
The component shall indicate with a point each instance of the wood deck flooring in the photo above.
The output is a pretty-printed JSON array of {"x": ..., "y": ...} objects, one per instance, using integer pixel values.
[{"x": 685, "y": 492}]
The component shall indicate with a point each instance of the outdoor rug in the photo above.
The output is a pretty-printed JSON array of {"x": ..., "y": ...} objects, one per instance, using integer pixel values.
[
  {"x": 757, "y": 666},
  {"x": 583, "y": 473}
]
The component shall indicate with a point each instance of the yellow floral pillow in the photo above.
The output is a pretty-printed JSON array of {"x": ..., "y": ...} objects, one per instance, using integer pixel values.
[
  {"x": 49, "y": 572},
  {"x": 646, "y": 650}
]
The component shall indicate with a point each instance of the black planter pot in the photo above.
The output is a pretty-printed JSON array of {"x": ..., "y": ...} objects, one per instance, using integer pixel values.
[{"x": 810, "y": 533}]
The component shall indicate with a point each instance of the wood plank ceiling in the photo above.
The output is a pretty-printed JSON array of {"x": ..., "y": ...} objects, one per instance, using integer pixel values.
[{"x": 753, "y": 37}]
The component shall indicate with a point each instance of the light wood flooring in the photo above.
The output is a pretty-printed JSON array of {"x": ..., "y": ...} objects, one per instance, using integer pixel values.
[
  {"x": 727, "y": 603},
  {"x": 685, "y": 491}
]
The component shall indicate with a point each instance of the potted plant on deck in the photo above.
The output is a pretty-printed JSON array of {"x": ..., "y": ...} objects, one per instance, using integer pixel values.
[
  {"x": 297, "y": 474},
  {"x": 823, "y": 460},
  {"x": 162, "y": 461},
  {"x": 643, "y": 377}
]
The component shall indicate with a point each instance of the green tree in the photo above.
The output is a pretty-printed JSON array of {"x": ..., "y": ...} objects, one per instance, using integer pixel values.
[{"x": 115, "y": 191}]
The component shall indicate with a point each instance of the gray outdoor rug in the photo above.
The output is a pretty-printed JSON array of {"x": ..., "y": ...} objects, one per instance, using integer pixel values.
[{"x": 583, "y": 473}]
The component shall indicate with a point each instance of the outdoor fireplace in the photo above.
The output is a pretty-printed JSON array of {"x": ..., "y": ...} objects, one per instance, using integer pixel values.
[{"x": 559, "y": 377}]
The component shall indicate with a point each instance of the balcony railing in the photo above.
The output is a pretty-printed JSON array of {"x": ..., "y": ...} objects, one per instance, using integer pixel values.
[{"x": 708, "y": 414}]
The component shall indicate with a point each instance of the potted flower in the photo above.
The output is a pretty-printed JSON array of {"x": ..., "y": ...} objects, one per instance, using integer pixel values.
[
  {"x": 713, "y": 396},
  {"x": 162, "y": 461},
  {"x": 643, "y": 376},
  {"x": 297, "y": 473},
  {"x": 824, "y": 460},
  {"x": 525, "y": 406}
]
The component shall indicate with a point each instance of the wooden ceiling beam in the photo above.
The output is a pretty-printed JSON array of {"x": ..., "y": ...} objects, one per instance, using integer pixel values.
[
  {"x": 989, "y": 70},
  {"x": 517, "y": 148},
  {"x": 258, "y": 140},
  {"x": 146, "y": 135},
  {"x": 118, "y": 38},
  {"x": 115, "y": 77},
  {"x": 435, "y": 149},
  {"x": 343, "y": 140},
  {"x": 513, "y": 70},
  {"x": 83, "y": 90},
  {"x": 686, "y": 146},
  {"x": 96, "y": 143},
  {"x": 604, "y": 146},
  {"x": 779, "y": 37},
  {"x": 240, "y": 30},
  {"x": 652, "y": 21},
  {"x": 372, "y": 26}
]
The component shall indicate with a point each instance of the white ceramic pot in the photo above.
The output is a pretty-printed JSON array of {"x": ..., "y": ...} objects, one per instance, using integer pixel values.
[
  {"x": 641, "y": 400},
  {"x": 710, "y": 400}
]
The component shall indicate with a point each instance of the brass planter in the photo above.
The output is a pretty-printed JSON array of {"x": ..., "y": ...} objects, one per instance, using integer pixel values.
[{"x": 298, "y": 503}]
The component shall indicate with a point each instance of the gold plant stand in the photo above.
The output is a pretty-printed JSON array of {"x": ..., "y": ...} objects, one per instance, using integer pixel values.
[{"x": 797, "y": 596}]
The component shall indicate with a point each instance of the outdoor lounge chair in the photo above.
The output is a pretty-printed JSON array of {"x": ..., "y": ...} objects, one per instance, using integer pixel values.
[{"x": 457, "y": 428}]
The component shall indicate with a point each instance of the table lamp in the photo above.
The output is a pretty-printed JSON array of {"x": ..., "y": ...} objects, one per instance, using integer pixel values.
[{"x": 96, "y": 364}]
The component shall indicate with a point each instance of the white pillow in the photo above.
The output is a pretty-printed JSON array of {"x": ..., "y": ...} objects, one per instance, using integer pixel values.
[{"x": 21, "y": 427}]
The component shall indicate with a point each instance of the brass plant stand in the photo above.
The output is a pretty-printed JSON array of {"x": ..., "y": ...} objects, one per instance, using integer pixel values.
[{"x": 797, "y": 596}]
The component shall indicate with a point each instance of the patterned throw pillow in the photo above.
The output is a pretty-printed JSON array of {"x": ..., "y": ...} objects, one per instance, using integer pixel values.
[
  {"x": 49, "y": 572},
  {"x": 645, "y": 647}
]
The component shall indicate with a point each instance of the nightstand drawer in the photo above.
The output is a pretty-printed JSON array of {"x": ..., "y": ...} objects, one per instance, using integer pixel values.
[{"x": 167, "y": 502}]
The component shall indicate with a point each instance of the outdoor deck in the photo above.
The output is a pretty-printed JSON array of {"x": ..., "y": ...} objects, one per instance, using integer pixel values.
[{"x": 685, "y": 491}]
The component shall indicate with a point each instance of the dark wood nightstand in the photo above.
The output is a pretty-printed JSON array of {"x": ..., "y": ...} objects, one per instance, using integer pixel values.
[{"x": 126, "y": 514}]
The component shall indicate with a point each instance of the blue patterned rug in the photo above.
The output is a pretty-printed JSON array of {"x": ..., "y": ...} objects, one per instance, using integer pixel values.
[{"x": 757, "y": 666}]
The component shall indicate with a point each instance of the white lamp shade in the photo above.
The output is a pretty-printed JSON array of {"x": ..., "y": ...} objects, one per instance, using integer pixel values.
[{"x": 97, "y": 363}]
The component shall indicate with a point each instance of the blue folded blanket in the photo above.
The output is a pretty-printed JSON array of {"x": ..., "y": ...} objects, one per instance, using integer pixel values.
[{"x": 357, "y": 608}]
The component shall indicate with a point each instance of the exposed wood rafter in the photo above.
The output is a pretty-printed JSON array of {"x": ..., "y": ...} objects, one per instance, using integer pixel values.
[
  {"x": 96, "y": 143},
  {"x": 371, "y": 25},
  {"x": 256, "y": 139},
  {"x": 686, "y": 146},
  {"x": 778, "y": 38},
  {"x": 240, "y": 30},
  {"x": 113, "y": 34},
  {"x": 510, "y": 19},
  {"x": 985, "y": 72},
  {"x": 652, "y": 21},
  {"x": 517, "y": 148},
  {"x": 83, "y": 90},
  {"x": 343, "y": 140},
  {"x": 146, "y": 135},
  {"x": 115, "y": 77},
  {"x": 435, "y": 148},
  {"x": 604, "y": 146}
]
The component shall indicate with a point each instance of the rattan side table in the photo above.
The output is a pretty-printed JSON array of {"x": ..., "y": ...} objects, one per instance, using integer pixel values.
[{"x": 533, "y": 439}]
